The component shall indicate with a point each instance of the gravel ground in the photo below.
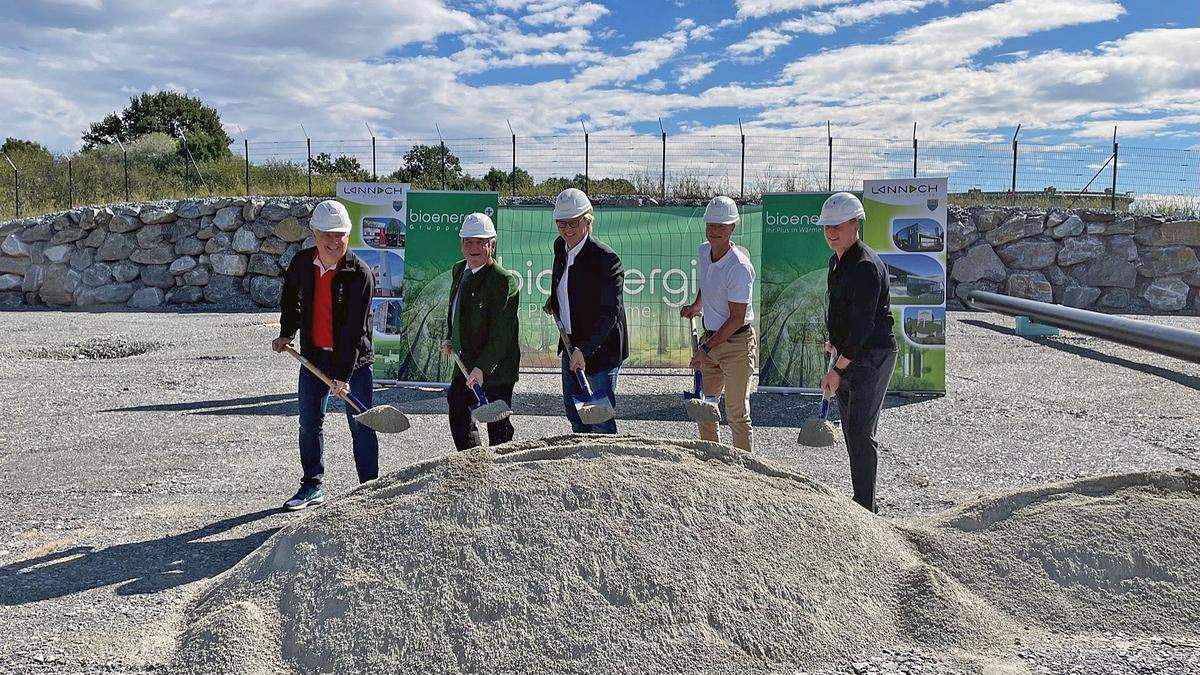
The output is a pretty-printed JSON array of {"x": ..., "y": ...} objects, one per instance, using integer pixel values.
[{"x": 146, "y": 452}]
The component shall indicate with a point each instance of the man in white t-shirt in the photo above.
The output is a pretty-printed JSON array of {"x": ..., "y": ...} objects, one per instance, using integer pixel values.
[{"x": 728, "y": 353}]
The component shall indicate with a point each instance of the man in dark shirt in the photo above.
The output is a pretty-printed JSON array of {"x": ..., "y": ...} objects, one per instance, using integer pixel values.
[{"x": 859, "y": 320}]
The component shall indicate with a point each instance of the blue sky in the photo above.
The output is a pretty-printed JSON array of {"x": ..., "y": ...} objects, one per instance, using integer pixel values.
[{"x": 964, "y": 69}]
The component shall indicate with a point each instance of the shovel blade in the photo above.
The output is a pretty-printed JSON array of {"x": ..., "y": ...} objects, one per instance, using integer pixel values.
[{"x": 384, "y": 419}]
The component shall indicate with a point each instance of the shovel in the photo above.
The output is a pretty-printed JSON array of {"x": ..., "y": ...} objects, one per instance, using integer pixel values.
[
  {"x": 592, "y": 408},
  {"x": 699, "y": 408},
  {"x": 484, "y": 412},
  {"x": 818, "y": 432},
  {"x": 382, "y": 418}
]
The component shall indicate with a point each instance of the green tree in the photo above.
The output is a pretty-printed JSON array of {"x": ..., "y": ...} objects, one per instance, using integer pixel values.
[
  {"x": 164, "y": 112},
  {"x": 423, "y": 167},
  {"x": 22, "y": 147},
  {"x": 344, "y": 167}
]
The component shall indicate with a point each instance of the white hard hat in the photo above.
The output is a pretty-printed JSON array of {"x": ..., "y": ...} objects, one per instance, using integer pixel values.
[
  {"x": 721, "y": 210},
  {"x": 330, "y": 216},
  {"x": 571, "y": 203},
  {"x": 477, "y": 226},
  {"x": 839, "y": 208}
]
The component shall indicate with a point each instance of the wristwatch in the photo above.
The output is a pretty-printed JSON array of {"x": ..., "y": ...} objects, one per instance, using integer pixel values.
[
  {"x": 705, "y": 348},
  {"x": 840, "y": 371}
]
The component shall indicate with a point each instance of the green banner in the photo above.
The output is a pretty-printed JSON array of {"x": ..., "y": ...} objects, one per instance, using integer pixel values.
[
  {"x": 906, "y": 225},
  {"x": 657, "y": 246},
  {"x": 795, "y": 261}
]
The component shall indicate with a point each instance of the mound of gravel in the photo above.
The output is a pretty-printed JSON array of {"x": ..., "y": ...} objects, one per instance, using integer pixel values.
[{"x": 603, "y": 554}]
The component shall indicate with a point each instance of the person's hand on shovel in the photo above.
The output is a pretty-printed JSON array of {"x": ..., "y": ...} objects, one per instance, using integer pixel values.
[
  {"x": 577, "y": 362},
  {"x": 445, "y": 347},
  {"x": 280, "y": 343},
  {"x": 830, "y": 383},
  {"x": 475, "y": 377},
  {"x": 698, "y": 359},
  {"x": 340, "y": 389}
]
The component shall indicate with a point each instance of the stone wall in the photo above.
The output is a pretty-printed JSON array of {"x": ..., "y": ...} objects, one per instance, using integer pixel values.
[
  {"x": 233, "y": 250},
  {"x": 225, "y": 250},
  {"x": 1111, "y": 262}
]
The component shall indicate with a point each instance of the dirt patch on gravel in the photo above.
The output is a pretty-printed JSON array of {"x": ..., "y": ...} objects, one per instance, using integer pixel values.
[
  {"x": 97, "y": 348},
  {"x": 592, "y": 554}
]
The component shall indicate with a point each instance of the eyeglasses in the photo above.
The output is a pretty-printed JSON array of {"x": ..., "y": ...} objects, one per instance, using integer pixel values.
[{"x": 569, "y": 224}]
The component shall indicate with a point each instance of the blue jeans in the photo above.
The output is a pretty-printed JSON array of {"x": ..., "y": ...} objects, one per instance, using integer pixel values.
[
  {"x": 314, "y": 398},
  {"x": 603, "y": 382}
]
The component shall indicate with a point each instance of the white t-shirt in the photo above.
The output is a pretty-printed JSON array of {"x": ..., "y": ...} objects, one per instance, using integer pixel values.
[
  {"x": 564, "y": 304},
  {"x": 730, "y": 279}
]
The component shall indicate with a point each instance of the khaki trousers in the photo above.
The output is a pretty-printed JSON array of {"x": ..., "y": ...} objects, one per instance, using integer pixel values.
[{"x": 728, "y": 370}]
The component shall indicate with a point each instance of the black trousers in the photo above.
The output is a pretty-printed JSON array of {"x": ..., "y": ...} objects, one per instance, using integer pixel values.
[
  {"x": 860, "y": 399},
  {"x": 462, "y": 427}
]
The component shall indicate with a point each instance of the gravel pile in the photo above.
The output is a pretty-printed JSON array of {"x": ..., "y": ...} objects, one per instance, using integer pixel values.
[{"x": 588, "y": 554}]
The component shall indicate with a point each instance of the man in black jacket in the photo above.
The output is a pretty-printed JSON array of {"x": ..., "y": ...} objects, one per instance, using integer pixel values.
[
  {"x": 860, "y": 321},
  {"x": 327, "y": 298},
  {"x": 586, "y": 294},
  {"x": 482, "y": 323}
]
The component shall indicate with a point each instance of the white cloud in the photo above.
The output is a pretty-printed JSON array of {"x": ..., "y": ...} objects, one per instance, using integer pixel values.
[
  {"x": 827, "y": 22},
  {"x": 566, "y": 14},
  {"x": 760, "y": 8},
  {"x": 695, "y": 72},
  {"x": 765, "y": 40}
]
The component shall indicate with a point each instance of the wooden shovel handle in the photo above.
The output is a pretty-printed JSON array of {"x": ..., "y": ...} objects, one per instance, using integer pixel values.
[{"x": 323, "y": 377}]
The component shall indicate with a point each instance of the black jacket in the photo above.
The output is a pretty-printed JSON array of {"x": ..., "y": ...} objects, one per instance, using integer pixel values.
[
  {"x": 488, "y": 327},
  {"x": 353, "y": 285},
  {"x": 595, "y": 288},
  {"x": 860, "y": 302}
]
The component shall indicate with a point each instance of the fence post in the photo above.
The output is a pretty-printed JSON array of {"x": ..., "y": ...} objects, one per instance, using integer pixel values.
[
  {"x": 309, "y": 142},
  {"x": 914, "y": 149},
  {"x": 16, "y": 184},
  {"x": 663, "y": 187},
  {"x": 1013, "y": 189},
  {"x": 829, "y": 175},
  {"x": 742, "y": 173},
  {"x": 125, "y": 164},
  {"x": 70, "y": 184},
  {"x": 513, "y": 181},
  {"x": 246, "y": 142},
  {"x": 586, "y": 151},
  {"x": 374, "y": 171},
  {"x": 1113, "y": 201},
  {"x": 443, "y": 146}
]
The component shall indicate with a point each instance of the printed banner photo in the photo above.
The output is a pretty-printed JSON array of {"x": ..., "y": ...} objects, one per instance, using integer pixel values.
[{"x": 906, "y": 225}]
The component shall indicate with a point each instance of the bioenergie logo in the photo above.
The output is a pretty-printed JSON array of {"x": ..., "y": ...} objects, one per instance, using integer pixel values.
[{"x": 435, "y": 217}]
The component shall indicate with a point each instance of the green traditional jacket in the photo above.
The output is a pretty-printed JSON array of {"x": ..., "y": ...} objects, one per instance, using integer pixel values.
[{"x": 489, "y": 326}]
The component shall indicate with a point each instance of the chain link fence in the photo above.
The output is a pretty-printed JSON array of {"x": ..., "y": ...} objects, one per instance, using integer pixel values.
[{"x": 684, "y": 166}]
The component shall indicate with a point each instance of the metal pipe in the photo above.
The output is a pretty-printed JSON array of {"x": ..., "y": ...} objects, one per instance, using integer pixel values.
[
  {"x": 914, "y": 149},
  {"x": 70, "y": 185},
  {"x": 663, "y": 187},
  {"x": 742, "y": 179},
  {"x": 1166, "y": 340}
]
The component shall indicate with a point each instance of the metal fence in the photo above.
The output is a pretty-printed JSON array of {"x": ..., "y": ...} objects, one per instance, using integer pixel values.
[{"x": 681, "y": 166}]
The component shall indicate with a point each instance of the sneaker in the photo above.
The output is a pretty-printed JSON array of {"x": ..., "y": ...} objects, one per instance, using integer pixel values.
[{"x": 307, "y": 495}]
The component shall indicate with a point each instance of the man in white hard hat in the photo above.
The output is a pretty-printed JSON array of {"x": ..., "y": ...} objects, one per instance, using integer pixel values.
[
  {"x": 483, "y": 327},
  {"x": 586, "y": 294},
  {"x": 859, "y": 320},
  {"x": 728, "y": 352},
  {"x": 327, "y": 298}
]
